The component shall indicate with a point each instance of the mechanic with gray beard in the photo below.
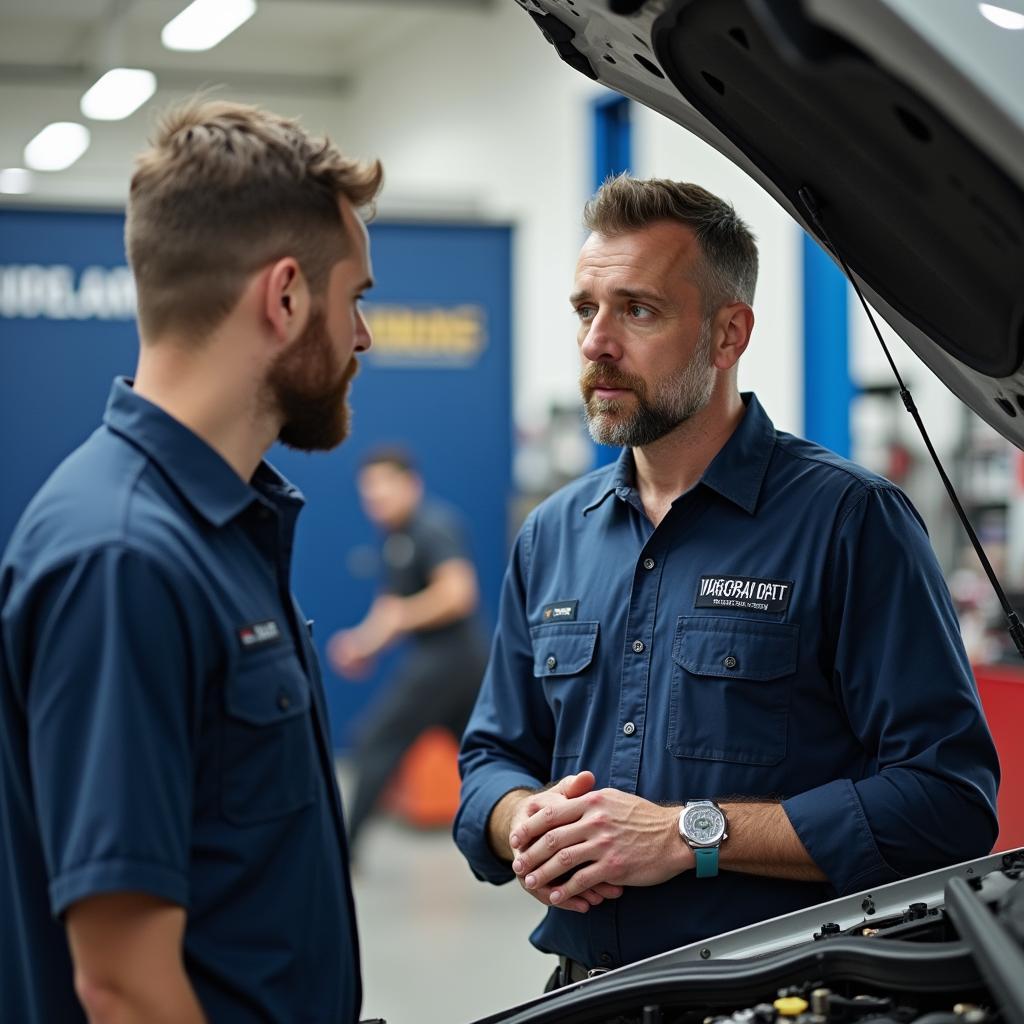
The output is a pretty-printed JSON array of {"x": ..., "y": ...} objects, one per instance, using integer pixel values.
[{"x": 727, "y": 680}]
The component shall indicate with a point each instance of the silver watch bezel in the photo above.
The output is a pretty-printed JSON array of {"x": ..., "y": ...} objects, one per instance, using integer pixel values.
[{"x": 699, "y": 844}]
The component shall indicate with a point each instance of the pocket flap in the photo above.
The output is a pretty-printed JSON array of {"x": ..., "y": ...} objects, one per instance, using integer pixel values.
[
  {"x": 563, "y": 649},
  {"x": 266, "y": 692},
  {"x": 709, "y": 645}
]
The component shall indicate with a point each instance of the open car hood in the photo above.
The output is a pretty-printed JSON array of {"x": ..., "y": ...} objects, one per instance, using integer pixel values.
[
  {"x": 905, "y": 118},
  {"x": 915, "y": 950}
]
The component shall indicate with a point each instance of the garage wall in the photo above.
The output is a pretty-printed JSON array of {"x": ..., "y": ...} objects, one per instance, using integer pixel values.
[{"x": 475, "y": 117}]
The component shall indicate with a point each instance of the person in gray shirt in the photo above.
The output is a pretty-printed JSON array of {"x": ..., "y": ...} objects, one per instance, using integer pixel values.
[{"x": 429, "y": 596}]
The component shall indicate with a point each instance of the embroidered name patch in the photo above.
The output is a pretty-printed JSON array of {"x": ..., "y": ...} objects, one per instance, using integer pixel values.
[
  {"x": 561, "y": 611},
  {"x": 744, "y": 592},
  {"x": 259, "y": 633}
]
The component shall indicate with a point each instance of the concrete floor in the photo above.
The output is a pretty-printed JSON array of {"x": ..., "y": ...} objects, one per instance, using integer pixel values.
[{"x": 439, "y": 947}]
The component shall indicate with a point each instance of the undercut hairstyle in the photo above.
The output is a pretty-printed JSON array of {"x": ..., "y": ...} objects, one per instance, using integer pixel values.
[
  {"x": 727, "y": 270},
  {"x": 226, "y": 189},
  {"x": 393, "y": 456}
]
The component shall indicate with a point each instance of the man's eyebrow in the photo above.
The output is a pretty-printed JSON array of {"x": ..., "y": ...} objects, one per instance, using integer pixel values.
[{"x": 623, "y": 293}]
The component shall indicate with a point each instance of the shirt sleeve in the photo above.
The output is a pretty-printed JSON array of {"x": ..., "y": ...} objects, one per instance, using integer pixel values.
[
  {"x": 901, "y": 675},
  {"x": 508, "y": 741},
  {"x": 110, "y": 706},
  {"x": 442, "y": 539}
]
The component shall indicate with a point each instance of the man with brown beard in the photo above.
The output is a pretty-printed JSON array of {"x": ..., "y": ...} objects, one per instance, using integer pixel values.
[
  {"x": 173, "y": 842},
  {"x": 727, "y": 680}
]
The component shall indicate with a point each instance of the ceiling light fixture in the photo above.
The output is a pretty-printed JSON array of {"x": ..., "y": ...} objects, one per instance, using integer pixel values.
[
  {"x": 204, "y": 23},
  {"x": 57, "y": 146},
  {"x": 15, "y": 181},
  {"x": 118, "y": 93},
  {"x": 1002, "y": 17}
]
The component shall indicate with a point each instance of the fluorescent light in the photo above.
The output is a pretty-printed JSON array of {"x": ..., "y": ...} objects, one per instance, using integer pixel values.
[
  {"x": 118, "y": 93},
  {"x": 15, "y": 181},
  {"x": 204, "y": 23},
  {"x": 57, "y": 146},
  {"x": 1001, "y": 16}
]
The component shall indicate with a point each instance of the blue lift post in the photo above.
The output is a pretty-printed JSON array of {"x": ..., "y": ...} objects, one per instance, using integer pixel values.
[
  {"x": 828, "y": 389},
  {"x": 613, "y": 154}
]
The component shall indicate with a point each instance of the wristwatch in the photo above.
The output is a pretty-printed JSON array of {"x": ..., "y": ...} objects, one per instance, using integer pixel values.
[{"x": 702, "y": 825}]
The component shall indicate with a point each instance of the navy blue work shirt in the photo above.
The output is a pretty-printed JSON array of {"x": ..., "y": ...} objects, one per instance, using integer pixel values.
[
  {"x": 784, "y": 632},
  {"x": 164, "y": 729}
]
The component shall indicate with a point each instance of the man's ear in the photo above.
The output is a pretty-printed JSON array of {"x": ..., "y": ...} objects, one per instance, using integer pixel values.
[
  {"x": 731, "y": 333},
  {"x": 286, "y": 299}
]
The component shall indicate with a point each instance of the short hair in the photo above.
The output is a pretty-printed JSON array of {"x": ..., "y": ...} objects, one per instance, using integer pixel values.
[
  {"x": 223, "y": 190},
  {"x": 391, "y": 455},
  {"x": 727, "y": 271}
]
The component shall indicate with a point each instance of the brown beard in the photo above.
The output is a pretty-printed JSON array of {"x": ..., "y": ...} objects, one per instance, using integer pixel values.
[{"x": 310, "y": 390}]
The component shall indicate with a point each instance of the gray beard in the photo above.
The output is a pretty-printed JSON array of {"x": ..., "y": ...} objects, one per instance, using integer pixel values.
[{"x": 674, "y": 401}]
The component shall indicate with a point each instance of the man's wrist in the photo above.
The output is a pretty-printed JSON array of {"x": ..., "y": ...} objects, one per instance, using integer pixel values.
[
  {"x": 680, "y": 851},
  {"x": 499, "y": 823}
]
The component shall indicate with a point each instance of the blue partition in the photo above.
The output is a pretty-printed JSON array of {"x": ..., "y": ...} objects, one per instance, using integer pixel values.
[{"x": 438, "y": 381}]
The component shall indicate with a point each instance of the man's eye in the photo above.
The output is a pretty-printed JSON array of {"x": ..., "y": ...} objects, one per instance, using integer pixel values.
[
  {"x": 638, "y": 311},
  {"x": 584, "y": 312}
]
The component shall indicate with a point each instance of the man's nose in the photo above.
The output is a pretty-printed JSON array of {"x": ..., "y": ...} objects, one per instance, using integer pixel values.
[
  {"x": 364, "y": 338},
  {"x": 602, "y": 340}
]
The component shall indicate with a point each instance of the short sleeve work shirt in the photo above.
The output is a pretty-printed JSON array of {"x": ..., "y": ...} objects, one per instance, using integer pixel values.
[
  {"x": 412, "y": 554},
  {"x": 784, "y": 632},
  {"x": 164, "y": 729}
]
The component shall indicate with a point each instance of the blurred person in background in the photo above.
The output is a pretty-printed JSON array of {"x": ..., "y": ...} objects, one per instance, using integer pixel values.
[
  {"x": 173, "y": 841},
  {"x": 430, "y": 597},
  {"x": 727, "y": 680}
]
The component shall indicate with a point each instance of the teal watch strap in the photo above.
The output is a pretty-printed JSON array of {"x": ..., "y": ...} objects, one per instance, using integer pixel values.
[{"x": 707, "y": 861}]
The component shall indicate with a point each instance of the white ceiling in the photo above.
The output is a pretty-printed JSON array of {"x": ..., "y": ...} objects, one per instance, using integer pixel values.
[{"x": 292, "y": 54}]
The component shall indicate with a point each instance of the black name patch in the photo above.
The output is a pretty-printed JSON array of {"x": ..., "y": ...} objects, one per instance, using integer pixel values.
[
  {"x": 743, "y": 592},
  {"x": 259, "y": 633},
  {"x": 560, "y": 611}
]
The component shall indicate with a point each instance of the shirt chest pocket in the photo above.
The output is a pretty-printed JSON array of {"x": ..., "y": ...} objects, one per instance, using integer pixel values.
[
  {"x": 562, "y": 657},
  {"x": 732, "y": 682},
  {"x": 268, "y": 751}
]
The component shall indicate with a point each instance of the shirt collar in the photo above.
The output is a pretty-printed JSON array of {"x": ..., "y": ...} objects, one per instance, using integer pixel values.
[
  {"x": 736, "y": 473},
  {"x": 201, "y": 474}
]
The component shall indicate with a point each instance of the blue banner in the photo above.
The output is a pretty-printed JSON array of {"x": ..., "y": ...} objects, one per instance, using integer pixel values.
[{"x": 437, "y": 381}]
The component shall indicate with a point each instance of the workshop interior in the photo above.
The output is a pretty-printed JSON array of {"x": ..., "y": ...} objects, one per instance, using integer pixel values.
[{"x": 875, "y": 148}]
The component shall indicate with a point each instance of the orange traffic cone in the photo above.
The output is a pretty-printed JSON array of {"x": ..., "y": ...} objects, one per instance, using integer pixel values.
[{"x": 425, "y": 790}]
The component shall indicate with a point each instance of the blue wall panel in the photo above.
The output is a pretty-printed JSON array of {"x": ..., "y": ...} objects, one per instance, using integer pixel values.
[{"x": 66, "y": 329}]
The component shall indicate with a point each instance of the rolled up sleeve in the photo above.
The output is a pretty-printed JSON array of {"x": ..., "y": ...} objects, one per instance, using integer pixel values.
[
  {"x": 507, "y": 744},
  {"x": 903, "y": 680}
]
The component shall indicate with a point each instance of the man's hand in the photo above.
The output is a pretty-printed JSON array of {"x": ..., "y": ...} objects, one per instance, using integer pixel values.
[
  {"x": 351, "y": 651},
  {"x": 605, "y": 837},
  {"x": 508, "y": 829}
]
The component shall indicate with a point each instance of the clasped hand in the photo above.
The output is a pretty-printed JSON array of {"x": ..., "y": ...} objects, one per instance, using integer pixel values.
[{"x": 605, "y": 838}]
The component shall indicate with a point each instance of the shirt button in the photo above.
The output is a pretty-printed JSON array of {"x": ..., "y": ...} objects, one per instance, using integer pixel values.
[
  {"x": 730, "y": 662},
  {"x": 284, "y": 702},
  {"x": 648, "y": 563},
  {"x": 629, "y": 728},
  {"x": 638, "y": 647},
  {"x": 605, "y": 958},
  {"x": 552, "y": 661}
]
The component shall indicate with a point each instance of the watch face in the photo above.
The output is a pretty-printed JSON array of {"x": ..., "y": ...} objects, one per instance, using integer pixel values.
[{"x": 704, "y": 824}]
